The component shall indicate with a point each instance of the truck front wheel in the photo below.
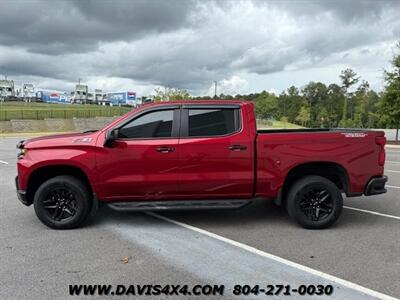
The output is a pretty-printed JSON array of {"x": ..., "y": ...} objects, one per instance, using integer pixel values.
[
  {"x": 314, "y": 202},
  {"x": 62, "y": 202}
]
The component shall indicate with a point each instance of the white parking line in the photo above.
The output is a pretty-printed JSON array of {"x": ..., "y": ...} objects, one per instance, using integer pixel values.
[
  {"x": 3, "y": 162},
  {"x": 292, "y": 264},
  {"x": 392, "y": 186},
  {"x": 392, "y": 171},
  {"x": 372, "y": 212},
  {"x": 393, "y": 162}
]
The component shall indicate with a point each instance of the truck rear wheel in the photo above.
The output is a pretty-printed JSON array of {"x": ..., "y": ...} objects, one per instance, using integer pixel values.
[
  {"x": 314, "y": 202},
  {"x": 62, "y": 202}
]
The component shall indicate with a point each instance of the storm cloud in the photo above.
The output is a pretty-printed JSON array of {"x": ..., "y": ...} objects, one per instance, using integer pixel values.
[{"x": 189, "y": 44}]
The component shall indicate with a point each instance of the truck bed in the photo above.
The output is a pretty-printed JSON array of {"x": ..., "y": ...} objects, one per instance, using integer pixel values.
[{"x": 281, "y": 150}]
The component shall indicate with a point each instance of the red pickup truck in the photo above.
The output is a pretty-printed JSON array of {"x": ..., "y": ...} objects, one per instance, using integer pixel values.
[{"x": 198, "y": 155}]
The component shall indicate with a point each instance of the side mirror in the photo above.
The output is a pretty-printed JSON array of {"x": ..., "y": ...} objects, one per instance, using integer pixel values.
[{"x": 111, "y": 136}]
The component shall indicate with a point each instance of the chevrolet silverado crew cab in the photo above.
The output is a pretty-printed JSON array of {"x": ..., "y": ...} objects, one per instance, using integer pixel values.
[{"x": 198, "y": 155}]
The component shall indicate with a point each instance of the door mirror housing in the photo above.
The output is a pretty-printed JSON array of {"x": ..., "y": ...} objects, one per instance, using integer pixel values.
[{"x": 111, "y": 136}]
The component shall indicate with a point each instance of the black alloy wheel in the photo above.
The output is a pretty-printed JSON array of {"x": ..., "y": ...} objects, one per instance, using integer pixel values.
[
  {"x": 62, "y": 202},
  {"x": 314, "y": 202}
]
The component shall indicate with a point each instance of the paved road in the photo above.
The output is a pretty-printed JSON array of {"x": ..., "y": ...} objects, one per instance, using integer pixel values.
[{"x": 39, "y": 263}]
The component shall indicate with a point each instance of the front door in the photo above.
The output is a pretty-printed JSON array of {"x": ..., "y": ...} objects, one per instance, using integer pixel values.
[{"x": 143, "y": 162}]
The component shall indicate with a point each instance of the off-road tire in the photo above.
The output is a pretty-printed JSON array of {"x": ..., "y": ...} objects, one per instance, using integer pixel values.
[
  {"x": 72, "y": 196},
  {"x": 304, "y": 199}
]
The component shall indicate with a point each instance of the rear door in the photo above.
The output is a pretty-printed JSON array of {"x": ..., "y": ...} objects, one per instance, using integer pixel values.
[{"x": 216, "y": 153}]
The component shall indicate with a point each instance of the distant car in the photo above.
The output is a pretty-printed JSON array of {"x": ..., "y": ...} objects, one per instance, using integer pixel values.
[
  {"x": 148, "y": 100},
  {"x": 198, "y": 155}
]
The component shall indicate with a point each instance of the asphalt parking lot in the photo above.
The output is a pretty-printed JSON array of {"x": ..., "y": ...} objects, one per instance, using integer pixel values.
[{"x": 254, "y": 245}]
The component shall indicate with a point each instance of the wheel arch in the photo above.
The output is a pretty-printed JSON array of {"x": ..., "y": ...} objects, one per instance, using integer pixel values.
[
  {"x": 44, "y": 173},
  {"x": 329, "y": 170}
]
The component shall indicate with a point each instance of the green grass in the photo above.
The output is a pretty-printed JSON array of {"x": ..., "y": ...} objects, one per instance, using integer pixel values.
[
  {"x": 40, "y": 111},
  {"x": 264, "y": 124},
  {"x": 281, "y": 124}
]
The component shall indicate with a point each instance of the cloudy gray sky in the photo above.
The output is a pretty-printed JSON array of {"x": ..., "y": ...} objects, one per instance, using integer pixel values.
[{"x": 247, "y": 46}]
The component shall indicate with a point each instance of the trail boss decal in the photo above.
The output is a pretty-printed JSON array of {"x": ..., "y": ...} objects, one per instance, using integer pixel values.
[{"x": 354, "y": 134}]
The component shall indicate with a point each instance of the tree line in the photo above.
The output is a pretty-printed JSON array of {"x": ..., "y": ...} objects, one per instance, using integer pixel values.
[
  {"x": 320, "y": 105},
  {"x": 352, "y": 103}
]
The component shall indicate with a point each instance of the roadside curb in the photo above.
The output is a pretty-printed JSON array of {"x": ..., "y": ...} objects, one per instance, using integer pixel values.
[{"x": 392, "y": 146}]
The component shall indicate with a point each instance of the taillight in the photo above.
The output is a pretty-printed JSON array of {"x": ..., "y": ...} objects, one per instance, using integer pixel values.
[{"x": 381, "y": 141}]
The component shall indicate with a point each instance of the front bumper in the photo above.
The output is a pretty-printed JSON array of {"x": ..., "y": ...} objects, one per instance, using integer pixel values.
[
  {"x": 376, "y": 186},
  {"x": 21, "y": 193}
]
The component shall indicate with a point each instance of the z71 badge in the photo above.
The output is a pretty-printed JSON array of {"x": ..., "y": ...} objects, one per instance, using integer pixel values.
[{"x": 82, "y": 140}]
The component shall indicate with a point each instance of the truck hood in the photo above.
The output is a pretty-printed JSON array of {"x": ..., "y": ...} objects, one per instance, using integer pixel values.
[{"x": 61, "y": 140}]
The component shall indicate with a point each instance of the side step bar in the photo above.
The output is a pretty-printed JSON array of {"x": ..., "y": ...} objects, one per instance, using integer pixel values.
[{"x": 178, "y": 205}]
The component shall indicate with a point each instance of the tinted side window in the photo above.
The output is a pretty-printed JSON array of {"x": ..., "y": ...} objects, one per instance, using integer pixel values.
[
  {"x": 210, "y": 122},
  {"x": 151, "y": 125}
]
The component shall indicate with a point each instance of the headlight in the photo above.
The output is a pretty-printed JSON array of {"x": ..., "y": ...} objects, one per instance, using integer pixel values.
[
  {"x": 22, "y": 153},
  {"x": 20, "y": 144}
]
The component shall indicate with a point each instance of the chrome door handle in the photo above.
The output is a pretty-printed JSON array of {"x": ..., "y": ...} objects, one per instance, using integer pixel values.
[
  {"x": 165, "y": 149},
  {"x": 237, "y": 147}
]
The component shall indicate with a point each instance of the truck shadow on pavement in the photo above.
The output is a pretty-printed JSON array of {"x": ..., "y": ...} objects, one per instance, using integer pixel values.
[
  {"x": 260, "y": 213},
  {"x": 256, "y": 212}
]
